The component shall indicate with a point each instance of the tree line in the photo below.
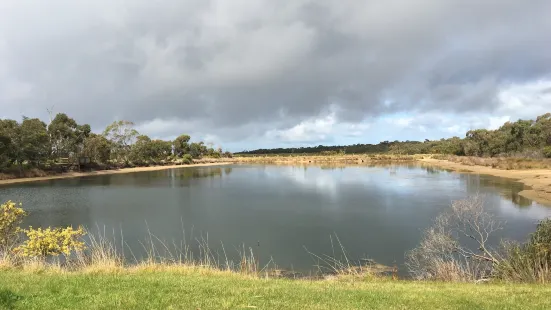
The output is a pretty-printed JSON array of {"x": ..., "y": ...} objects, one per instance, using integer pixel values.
[
  {"x": 523, "y": 138},
  {"x": 32, "y": 142}
]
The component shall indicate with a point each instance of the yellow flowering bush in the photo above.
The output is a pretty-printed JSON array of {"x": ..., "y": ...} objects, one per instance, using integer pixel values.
[
  {"x": 11, "y": 215},
  {"x": 51, "y": 241}
]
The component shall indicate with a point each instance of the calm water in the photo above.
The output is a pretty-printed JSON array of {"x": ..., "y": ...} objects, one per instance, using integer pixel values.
[{"x": 377, "y": 212}]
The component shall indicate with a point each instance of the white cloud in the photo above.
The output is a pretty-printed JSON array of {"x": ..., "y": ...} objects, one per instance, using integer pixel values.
[
  {"x": 402, "y": 121},
  {"x": 496, "y": 122},
  {"x": 525, "y": 100},
  {"x": 306, "y": 131},
  {"x": 266, "y": 72}
]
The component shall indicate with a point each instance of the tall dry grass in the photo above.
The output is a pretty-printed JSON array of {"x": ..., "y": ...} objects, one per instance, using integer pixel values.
[
  {"x": 347, "y": 159},
  {"x": 506, "y": 163},
  {"x": 112, "y": 254},
  {"x": 107, "y": 253}
]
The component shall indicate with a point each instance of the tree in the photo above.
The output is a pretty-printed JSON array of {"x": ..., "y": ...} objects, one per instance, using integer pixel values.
[
  {"x": 145, "y": 150},
  {"x": 66, "y": 136},
  {"x": 160, "y": 150},
  {"x": 141, "y": 150},
  {"x": 9, "y": 134},
  {"x": 97, "y": 147},
  {"x": 34, "y": 141},
  {"x": 121, "y": 134},
  {"x": 197, "y": 149},
  {"x": 181, "y": 145},
  {"x": 5, "y": 145}
]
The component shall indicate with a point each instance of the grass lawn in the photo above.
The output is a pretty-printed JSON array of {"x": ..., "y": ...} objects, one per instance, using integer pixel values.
[{"x": 218, "y": 290}]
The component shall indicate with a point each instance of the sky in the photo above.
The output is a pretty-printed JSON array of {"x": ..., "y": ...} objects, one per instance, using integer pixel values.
[{"x": 259, "y": 74}]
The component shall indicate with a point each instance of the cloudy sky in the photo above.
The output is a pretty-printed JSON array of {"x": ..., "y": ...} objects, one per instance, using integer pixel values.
[{"x": 265, "y": 73}]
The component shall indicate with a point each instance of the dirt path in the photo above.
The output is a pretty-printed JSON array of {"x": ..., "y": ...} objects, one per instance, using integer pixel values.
[
  {"x": 105, "y": 172},
  {"x": 538, "y": 179}
]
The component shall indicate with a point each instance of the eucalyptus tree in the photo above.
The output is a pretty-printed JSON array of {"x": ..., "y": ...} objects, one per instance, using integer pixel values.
[
  {"x": 122, "y": 135},
  {"x": 66, "y": 136},
  {"x": 181, "y": 145}
]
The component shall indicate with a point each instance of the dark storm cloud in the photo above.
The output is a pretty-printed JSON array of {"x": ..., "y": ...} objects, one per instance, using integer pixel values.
[{"x": 264, "y": 64}]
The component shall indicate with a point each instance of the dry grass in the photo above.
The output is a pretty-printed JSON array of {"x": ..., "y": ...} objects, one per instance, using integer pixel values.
[
  {"x": 14, "y": 173},
  {"x": 348, "y": 159},
  {"x": 104, "y": 255},
  {"x": 505, "y": 163}
]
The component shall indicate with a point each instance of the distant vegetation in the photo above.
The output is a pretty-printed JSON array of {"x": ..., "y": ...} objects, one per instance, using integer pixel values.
[
  {"x": 32, "y": 144},
  {"x": 523, "y": 138}
]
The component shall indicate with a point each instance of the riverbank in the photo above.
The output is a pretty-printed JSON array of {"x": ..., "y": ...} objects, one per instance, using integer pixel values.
[
  {"x": 307, "y": 159},
  {"x": 539, "y": 180},
  {"x": 196, "y": 288},
  {"x": 107, "y": 172}
]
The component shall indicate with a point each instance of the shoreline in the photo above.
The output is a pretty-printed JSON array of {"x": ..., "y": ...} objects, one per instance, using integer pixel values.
[
  {"x": 107, "y": 172},
  {"x": 539, "y": 180}
]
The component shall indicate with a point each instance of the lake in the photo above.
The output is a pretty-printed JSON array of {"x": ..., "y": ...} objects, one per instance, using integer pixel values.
[{"x": 280, "y": 212}]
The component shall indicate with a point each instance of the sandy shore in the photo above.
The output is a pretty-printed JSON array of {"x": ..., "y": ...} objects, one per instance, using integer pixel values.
[
  {"x": 538, "y": 179},
  {"x": 104, "y": 172}
]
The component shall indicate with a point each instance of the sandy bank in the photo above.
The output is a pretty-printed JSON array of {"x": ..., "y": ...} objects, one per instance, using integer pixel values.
[
  {"x": 306, "y": 159},
  {"x": 538, "y": 179},
  {"x": 104, "y": 172}
]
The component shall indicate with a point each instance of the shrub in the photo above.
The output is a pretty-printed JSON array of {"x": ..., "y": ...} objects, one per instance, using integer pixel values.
[
  {"x": 228, "y": 154},
  {"x": 455, "y": 247},
  {"x": 187, "y": 159},
  {"x": 51, "y": 241},
  {"x": 11, "y": 216},
  {"x": 547, "y": 151},
  {"x": 530, "y": 261}
]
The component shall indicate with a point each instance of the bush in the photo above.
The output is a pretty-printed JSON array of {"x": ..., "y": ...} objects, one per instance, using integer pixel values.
[
  {"x": 187, "y": 159},
  {"x": 40, "y": 242},
  {"x": 10, "y": 217},
  {"x": 51, "y": 241},
  {"x": 455, "y": 247},
  {"x": 530, "y": 261},
  {"x": 547, "y": 151}
]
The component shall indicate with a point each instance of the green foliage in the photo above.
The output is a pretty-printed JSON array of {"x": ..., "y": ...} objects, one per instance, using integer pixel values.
[
  {"x": 146, "y": 150},
  {"x": 34, "y": 140},
  {"x": 8, "y": 299},
  {"x": 181, "y": 145},
  {"x": 513, "y": 138},
  {"x": 121, "y": 134},
  {"x": 66, "y": 136},
  {"x": 194, "y": 288},
  {"x": 33, "y": 144},
  {"x": 530, "y": 261},
  {"x": 10, "y": 131},
  {"x": 197, "y": 149},
  {"x": 187, "y": 159},
  {"x": 97, "y": 147}
]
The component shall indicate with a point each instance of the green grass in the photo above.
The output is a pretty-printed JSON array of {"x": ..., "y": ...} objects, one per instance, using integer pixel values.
[{"x": 217, "y": 290}]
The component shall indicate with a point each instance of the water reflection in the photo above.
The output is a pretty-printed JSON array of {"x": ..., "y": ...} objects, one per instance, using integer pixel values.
[
  {"x": 378, "y": 211},
  {"x": 507, "y": 188}
]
